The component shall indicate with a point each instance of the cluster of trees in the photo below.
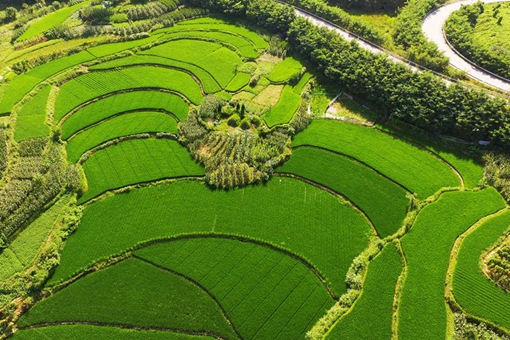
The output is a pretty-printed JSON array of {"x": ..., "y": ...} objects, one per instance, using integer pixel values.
[
  {"x": 240, "y": 158},
  {"x": 39, "y": 174},
  {"x": 420, "y": 99},
  {"x": 408, "y": 35},
  {"x": 499, "y": 266},
  {"x": 497, "y": 173},
  {"x": 3, "y": 151},
  {"x": 147, "y": 11},
  {"x": 459, "y": 30}
]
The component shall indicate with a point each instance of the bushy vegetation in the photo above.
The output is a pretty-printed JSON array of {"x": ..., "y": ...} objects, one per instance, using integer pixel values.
[
  {"x": 4, "y": 151},
  {"x": 234, "y": 152},
  {"x": 278, "y": 298},
  {"x": 488, "y": 52},
  {"x": 427, "y": 248},
  {"x": 37, "y": 177},
  {"x": 134, "y": 293},
  {"x": 497, "y": 173},
  {"x": 292, "y": 207}
]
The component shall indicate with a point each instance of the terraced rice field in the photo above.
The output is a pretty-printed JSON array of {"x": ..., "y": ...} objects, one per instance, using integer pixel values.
[
  {"x": 408, "y": 165},
  {"x": 472, "y": 289},
  {"x": 158, "y": 253},
  {"x": 422, "y": 309},
  {"x": 136, "y": 161}
]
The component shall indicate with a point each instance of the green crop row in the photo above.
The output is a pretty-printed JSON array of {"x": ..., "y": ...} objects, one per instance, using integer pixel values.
[
  {"x": 23, "y": 250},
  {"x": 238, "y": 82},
  {"x": 372, "y": 315},
  {"x": 219, "y": 61},
  {"x": 119, "y": 126},
  {"x": 136, "y": 161},
  {"x": 266, "y": 293},
  {"x": 413, "y": 168},
  {"x": 30, "y": 122},
  {"x": 290, "y": 208},
  {"x": 283, "y": 112},
  {"x": 476, "y": 293},
  {"x": 123, "y": 102},
  {"x": 427, "y": 248},
  {"x": 134, "y": 293},
  {"x": 285, "y": 70},
  {"x": 222, "y": 26},
  {"x": 49, "y": 21},
  {"x": 72, "y": 332},
  {"x": 24, "y": 83},
  {"x": 242, "y": 44},
  {"x": 383, "y": 201},
  {"x": 209, "y": 84},
  {"x": 95, "y": 84}
]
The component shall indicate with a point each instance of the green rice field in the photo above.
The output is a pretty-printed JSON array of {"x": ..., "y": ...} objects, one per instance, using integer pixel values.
[
  {"x": 168, "y": 173},
  {"x": 427, "y": 248},
  {"x": 162, "y": 211},
  {"x": 288, "y": 296},
  {"x": 472, "y": 289},
  {"x": 383, "y": 201},
  {"x": 119, "y": 126},
  {"x": 117, "y": 104},
  {"x": 376, "y": 303},
  {"x": 136, "y": 161},
  {"x": 408, "y": 165}
]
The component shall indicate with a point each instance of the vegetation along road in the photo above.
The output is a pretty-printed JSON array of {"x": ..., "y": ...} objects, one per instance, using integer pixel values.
[{"x": 433, "y": 29}]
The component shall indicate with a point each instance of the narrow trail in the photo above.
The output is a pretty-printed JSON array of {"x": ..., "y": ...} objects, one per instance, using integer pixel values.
[{"x": 433, "y": 29}]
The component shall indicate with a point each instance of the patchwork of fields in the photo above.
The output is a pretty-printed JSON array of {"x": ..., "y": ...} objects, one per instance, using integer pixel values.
[{"x": 350, "y": 238}]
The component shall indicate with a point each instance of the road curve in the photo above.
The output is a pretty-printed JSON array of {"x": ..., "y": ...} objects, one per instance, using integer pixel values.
[{"x": 433, "y": 29}]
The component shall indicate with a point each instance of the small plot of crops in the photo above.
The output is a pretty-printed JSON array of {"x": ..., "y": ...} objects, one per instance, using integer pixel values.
[
  {"x": 383, "y": 201},
  {"x": 94, "y": 84},
  {"x": 72, "y": 332},
  {"x": 136, "y": 294},
  {"x": 239, "y": 42},
  {"x": 122, "y": 125},
  {"x": 286, "y": 70},
  {"x": 218, "y": 60},
  {"x": 30, "y": 122},
  {"x": 476, "y": 293},
  {"x": 288, "y": 104},
  {"x": 22, "y": 251},
  {"x": 223, "y": 26},
  {"x": 22, "y": 84},
  {"x": 136, "y": 161},
  {"x": 372, "y": 315},
  {"x": 107, "y": 49},
  {"x": 266, "y": 293},
  {"x": 120, "y": 103},
  {"x": 238, "y": 82},
  {"x": 209, "y": 84},
  {"x": 415, "y": 169},
  {"x": 427, "y": 247},
  {"x": 296, "y": 216},
  {"x": 50, "y": 21}
]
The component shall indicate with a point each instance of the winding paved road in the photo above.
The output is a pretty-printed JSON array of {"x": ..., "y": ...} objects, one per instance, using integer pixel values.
[{"x": 433, "y": 29}]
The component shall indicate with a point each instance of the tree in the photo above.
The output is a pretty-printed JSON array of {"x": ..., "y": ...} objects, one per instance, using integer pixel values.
[{"x": 10, "y": 14}]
